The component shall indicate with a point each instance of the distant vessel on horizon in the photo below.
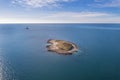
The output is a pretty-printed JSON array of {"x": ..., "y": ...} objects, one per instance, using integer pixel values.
[{"x": 27, "y": 27}]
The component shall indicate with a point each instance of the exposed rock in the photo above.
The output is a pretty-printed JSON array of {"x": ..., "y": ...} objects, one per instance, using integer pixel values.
[{"x": 61, "y": 47}]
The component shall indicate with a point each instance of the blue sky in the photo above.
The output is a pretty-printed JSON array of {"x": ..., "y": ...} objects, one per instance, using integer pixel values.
[{"x": 59, "y": 11}]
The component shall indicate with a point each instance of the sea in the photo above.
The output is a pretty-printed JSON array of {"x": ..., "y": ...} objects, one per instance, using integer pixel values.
[{"x": 23, "y": 53}]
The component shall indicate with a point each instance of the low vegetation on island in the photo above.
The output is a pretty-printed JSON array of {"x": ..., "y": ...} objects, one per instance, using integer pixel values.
[{"x": 61, "y": 46}]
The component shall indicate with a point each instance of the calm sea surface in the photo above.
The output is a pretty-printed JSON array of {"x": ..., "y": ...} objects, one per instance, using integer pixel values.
[{"x": 23, "y": 54}]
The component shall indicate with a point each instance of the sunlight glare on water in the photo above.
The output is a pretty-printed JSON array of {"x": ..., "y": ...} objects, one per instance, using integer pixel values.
[
  {"x": 1, "y": 65},
  {"x": 6, "y": 72}
]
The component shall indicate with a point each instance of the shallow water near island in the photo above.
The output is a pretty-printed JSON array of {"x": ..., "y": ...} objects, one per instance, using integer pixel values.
[{"x": 23, "y": 54}]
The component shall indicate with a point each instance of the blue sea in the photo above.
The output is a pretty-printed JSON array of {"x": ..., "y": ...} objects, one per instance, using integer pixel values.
[{"x": 23, "y": 54}]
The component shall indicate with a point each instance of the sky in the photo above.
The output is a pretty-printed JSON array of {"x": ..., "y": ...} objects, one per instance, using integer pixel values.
[{"x": 59, "y": 11}]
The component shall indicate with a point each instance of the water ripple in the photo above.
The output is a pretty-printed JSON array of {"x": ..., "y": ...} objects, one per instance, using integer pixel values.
[{"x": 6, "y": 72}]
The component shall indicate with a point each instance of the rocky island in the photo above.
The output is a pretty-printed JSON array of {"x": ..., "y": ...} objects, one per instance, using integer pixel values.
[{"x": 61, "y": 47}]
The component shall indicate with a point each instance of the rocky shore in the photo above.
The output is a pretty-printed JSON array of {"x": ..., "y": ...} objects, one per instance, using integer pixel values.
[{"x": 61, "y": 46}]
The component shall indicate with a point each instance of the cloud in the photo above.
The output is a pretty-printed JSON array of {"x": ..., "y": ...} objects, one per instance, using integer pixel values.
[
  {"x": 109, "y": 3},
  {"x": 39, "y": 3},
  {"x": 79, "y": 14},
  {"x": 65, "y": 17},
  {"x": 114, "y": 3},
  {"x": 98, "y": 0},
  {"x": 83, "y": 17}
]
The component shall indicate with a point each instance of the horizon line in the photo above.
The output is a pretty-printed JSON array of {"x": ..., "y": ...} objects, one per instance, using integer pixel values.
[{"x": 63, "y": 23}]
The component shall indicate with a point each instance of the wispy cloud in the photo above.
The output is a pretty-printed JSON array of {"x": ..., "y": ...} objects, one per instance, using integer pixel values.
[
  {"x": 79, "y": 14},
  {"x": 98, "y": 0},
  {"x": 66, "y": 17},
  {"x": 109, "y": 3},
  {"x": 83, "y": 17},
  {"x": 39, "y": 3}
]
